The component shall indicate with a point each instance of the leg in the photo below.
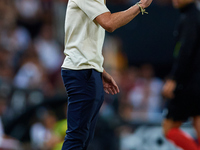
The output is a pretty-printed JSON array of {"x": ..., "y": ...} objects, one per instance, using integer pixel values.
[
  {"x": 84, "y": 97},
  {"x": 169, "y": 124},
  {"x": 179, "y": 110},
  {"x": 78, "y": 125},
  {"x": 96, "y": 109},
  {"x": 196, "y": 123},
  {"x": 178, "y": 137},
  {"x": 91, "y": 132}
]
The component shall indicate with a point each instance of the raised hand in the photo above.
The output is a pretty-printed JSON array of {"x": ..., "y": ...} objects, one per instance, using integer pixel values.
[{"x": 145, "y": 3}]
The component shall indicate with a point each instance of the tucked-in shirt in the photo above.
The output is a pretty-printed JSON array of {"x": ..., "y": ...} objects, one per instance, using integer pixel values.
[{"x": 84, "y": 37}]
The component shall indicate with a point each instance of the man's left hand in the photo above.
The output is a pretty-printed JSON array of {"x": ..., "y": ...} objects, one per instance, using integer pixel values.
[{"x": 109, "y": 84}]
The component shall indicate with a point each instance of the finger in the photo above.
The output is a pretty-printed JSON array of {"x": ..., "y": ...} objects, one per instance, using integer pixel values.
[
  {"x": 111, "y": 91},
  {"x": 114, "y": 89},
  {"x": 106, "y": 90},
  {"x": 117, "y": 89},
  {"x": 115, "y": 86}
]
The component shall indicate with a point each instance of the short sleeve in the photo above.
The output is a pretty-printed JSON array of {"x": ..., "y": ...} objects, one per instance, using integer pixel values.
[{"x": 92, "y": 8}]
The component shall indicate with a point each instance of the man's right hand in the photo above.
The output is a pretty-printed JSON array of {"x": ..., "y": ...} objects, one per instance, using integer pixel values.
[
  {"x": 145, "y": 3},
  {"x": 168, "y": 89}
]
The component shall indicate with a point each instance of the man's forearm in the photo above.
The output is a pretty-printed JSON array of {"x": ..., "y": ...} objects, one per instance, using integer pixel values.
[
  {"x": 120, "y": 19},
  {"x": 111, "y": 22}
]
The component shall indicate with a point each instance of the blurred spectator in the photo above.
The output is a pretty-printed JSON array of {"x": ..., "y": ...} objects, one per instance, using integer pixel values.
[
  {"x": 3, "y": 105},
  {"x": 43, "y": 135},
  {"x": 6, "y": 70},
  {"x": 126, "y": 112},
  {"x": 6, "y": 142},
  {"x": 183, "y": 85},
  {"x": 127, "y": 82},
  {"x": 31, "y": 73},
  {"x": 48, "y": 50},
  {"x": 47, "y": 5},
  {"x": 146, "y": 95},
  {"x": 15, "y": 38},
  {"x": 8, "y": 13},
  {"x": 30, "y": 15}
]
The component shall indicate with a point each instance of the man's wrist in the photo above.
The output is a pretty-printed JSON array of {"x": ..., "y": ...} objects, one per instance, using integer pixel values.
[
  {"x": 141, "y": 7},
  {"x": 104, "y": 72},
  {"x": 141, "y": 4}
]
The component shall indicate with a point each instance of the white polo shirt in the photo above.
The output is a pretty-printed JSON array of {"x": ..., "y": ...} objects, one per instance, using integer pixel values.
[{"x": 83, "y": 36}]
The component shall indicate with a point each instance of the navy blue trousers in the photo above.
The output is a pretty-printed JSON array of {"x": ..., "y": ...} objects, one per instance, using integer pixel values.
[{"x": 85, "y": 97}]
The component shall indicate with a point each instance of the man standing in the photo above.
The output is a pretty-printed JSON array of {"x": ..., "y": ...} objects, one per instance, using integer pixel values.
[
  {"x": 183, "y": 88},
  {"x": 82, "y": 72}
]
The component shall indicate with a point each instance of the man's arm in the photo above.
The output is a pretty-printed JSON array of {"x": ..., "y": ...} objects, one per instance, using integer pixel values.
[{"x": 111, "y": 22}]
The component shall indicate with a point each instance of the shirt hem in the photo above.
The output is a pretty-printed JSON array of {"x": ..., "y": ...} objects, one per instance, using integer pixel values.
[{"x": 83, "y": 68}]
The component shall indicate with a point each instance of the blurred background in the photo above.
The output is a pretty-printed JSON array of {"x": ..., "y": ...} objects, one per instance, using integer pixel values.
[{"x": 33, "y": 100}]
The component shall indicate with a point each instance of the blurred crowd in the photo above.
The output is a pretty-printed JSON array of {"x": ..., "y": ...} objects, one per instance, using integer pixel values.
[{"x": 31, "y": 53}]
